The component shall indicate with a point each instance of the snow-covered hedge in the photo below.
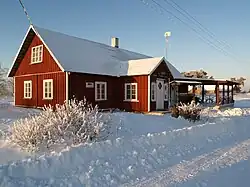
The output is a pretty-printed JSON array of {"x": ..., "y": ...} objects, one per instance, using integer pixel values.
[
  {"x": 72, "y": 123},
  {"x": 189, "y": 112}
]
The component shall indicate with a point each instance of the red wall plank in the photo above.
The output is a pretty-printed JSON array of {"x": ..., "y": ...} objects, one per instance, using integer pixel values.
[
  {"x": 142, "y": 86},
  {"x": 77, "y": 89},
  {"x": 115, "y": 91},
  {"x": 59, "y": 90}
]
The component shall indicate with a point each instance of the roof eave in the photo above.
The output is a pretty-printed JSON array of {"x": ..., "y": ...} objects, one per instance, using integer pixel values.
[{"x": 20, "y": 47}]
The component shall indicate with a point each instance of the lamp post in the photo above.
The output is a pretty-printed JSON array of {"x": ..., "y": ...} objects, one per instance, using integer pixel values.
[{"x": 167, "y": 35}]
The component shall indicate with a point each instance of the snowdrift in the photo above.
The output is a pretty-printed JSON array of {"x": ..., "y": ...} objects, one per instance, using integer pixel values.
[{"x": 119, "y": 161}]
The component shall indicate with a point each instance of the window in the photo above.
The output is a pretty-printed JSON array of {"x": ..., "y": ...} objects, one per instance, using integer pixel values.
[
  {"x": 100, "y": 91},
  {"x": 27, "y": 89},
  {"x": 48, "y": 89},
  {"x": 131, "y": 91},
  {"x": 166, "y": 91},
  {"x": 153, "y": 91},
  {"x": 37, "y": 54}
]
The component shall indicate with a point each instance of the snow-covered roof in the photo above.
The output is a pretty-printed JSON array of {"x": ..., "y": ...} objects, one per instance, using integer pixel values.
[
  {"x": 74, "y": 54},
  {"x": 142, "y": 66}
]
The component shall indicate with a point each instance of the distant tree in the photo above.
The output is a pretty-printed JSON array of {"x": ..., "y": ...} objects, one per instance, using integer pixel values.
[
  {"x": 241, "y": 81},
  {"x": 197, "y": 74},
  {"x": 6, "y": 84}
]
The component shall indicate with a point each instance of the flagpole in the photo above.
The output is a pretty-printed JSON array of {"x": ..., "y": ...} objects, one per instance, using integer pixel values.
[{"x": 167, "y": 35}]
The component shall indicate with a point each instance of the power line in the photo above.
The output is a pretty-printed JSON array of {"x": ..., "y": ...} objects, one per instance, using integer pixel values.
[
  {"x": 25, "y": 11},
  {"x": 194, "y": 30},
  {"x": 202, "y": 27}
]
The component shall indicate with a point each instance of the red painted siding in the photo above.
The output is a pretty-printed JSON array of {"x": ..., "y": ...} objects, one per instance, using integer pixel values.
[
  {"x": 77, "y": 89},
  {"x": 115, "y": 91},
  {"x": 142, "y": 91},
  {"x": 48, "y": 64},
  {"x": 59, "y": 90}
]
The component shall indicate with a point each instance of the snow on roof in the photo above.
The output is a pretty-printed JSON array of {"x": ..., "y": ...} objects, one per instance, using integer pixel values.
[
  {"x": 81, "y": 55},
  {"x": 135, "y": 67},
  {"x": 175, "y": 73}
]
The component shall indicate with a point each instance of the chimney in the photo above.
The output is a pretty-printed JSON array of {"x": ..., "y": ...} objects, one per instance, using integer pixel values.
[{"x": 115, "y": 42}]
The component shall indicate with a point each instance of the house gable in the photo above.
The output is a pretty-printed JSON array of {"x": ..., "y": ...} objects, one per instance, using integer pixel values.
[
  {"x": 162, "y": 71},
  {"x": 22, "y": 63}
]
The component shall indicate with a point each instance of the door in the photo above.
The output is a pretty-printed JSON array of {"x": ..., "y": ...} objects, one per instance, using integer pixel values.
[{"x": 159, "y": 94}]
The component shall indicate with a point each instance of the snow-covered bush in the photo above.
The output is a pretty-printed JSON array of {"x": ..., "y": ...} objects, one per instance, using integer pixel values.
[
  {"x": 190, "y": 111},
  {"x": 68, "y": 124}
]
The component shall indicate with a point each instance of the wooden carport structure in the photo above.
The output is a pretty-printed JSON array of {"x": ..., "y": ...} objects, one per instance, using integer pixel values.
[{"x": 220, "y": 100}]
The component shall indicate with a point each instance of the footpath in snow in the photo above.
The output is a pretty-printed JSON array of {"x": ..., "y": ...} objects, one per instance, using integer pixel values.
[{"x": 143, "y": 151}]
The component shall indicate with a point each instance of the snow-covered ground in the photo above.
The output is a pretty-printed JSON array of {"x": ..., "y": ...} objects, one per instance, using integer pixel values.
[{"x": 144, "y": 150}]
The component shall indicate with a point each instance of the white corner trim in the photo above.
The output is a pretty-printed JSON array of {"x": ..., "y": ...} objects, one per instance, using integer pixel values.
[
  {"x": 14, "y": 90},
  {"x": 149, "y": 93},
  {"x": 67, "y": 86}
]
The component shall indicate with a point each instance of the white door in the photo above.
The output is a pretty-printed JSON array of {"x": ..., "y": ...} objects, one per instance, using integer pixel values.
[{"x": 159, "y": 94}]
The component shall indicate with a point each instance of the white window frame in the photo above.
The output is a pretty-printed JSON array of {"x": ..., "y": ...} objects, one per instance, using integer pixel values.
[
  {"x": 136, "y": 92},
  {"x": 166, "y": 91},
  {"x": 153, "y": 91},
  {"x": 44, "y": 82},
  {"x": 105, "y": 91},
  {"x": 38, "y": 51},
  {"x": 29, "y": 82}
]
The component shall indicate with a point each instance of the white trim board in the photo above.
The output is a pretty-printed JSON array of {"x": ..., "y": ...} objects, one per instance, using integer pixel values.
[{"x": 149, "y": 93}]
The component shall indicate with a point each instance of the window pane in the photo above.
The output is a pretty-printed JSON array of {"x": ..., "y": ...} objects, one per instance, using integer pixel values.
[
  {"x": 103, "y": 92},
  {"x": 128, "y": 88},
  {"x": 128, "y": 95},
  {"x": 133, "y": 87},
  {"x": 103, "y": 95},
  {"x": 133, "y": 96},
  {"x": 133, "y": 92}
]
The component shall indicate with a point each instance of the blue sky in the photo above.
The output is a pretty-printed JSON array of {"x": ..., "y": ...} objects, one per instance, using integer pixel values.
[{"x": 140, "y": 28}]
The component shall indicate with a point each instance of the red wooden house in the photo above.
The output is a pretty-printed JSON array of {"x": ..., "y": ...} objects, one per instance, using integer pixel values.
[{"x": 51, "y": 67}]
